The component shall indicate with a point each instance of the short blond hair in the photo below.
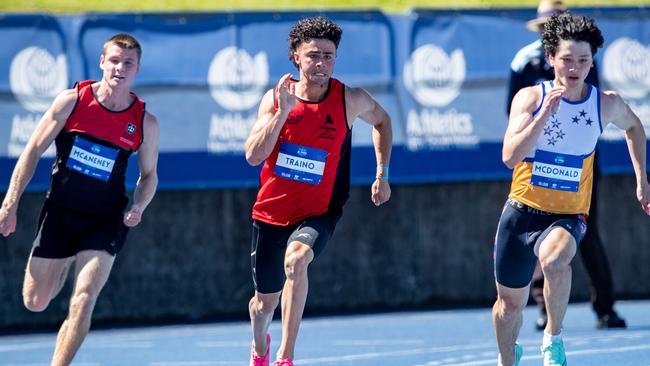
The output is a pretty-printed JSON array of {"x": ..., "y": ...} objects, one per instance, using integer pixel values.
[{"x": 125, "y": 41}]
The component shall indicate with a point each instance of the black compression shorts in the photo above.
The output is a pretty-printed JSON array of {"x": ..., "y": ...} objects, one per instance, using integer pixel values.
[{"x": 269, "y": 244}]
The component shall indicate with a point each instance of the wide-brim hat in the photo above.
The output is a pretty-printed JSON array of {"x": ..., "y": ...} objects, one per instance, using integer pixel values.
[{"x": 545, "y": 10}]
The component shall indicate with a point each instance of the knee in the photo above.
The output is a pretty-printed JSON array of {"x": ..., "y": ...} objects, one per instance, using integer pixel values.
[
  {"x": 259, "y": 306},
  {"x": 297, "y": 260},
  {"x": 35, "y": 303},
  {"x": 82, "y": 303},
  {"x": 554, "y": 265},
  {"x": 507, "y": 305}
]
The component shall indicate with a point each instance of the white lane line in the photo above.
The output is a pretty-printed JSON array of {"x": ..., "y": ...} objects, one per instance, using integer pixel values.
[
  {"x": 196, "y": 363},
  {"x": 26, "y": 346},
  {"x": 223, "y": 344},
  {"x": 378, "y": 342},
  {"x": 47, "y": 364},
  {"x": 592, "y": 351},
  {"x": 88, "y": 345},
  {"x": 372, "y": 355}
]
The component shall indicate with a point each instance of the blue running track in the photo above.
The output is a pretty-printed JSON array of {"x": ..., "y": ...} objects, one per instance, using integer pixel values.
[{"x": 427, "y": 338}]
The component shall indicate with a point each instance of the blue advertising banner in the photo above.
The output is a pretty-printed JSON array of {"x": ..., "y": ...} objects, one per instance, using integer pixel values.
[{"x": 441, "y": 75}]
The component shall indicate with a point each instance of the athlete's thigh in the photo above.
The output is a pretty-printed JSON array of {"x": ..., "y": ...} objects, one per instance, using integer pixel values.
[
  {"x": 268, "y": 246},
  {"x": 561, "y": 238},
  {"x": 315, "y": 232},
  {"x": 514, "y": 260},
  {"x": 43, "y": 276},
  {"x": 92, "y": 270}
]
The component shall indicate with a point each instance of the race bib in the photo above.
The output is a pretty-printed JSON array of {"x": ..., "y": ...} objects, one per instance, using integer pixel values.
[
  {"x": 300, "y": 163},
  {"x": 557, "y": 171},
  {"x": 91, "y": 159}
]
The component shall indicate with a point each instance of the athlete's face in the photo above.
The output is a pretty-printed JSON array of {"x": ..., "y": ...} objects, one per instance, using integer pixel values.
[
  {"x": 571, "y": 62},
  {"x": 120, "y": 66},
  {"x": 315, "y": 60}
]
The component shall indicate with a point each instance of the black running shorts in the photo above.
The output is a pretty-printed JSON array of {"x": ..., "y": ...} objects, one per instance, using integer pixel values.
[
  {"x": 269, "y": 244},
  {"x": 64, "y": 232},
  {"x": 520, "y": 229}
]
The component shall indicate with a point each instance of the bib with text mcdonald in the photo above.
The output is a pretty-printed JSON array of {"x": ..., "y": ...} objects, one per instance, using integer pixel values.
[
  {"x": 557, "y": 171},
  {"x": 91, "y": 159},
  {"x": 300, "y": 163}
]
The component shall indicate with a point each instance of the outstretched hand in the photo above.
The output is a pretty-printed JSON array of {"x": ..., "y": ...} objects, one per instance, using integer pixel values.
[
  {"x": 7, "y": 221},
  {"x": 133, "y": 216},
  {"x": 380, "y": 192}
]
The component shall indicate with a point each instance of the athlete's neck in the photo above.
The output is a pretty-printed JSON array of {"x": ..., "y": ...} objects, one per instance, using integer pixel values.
[
  {"x": 573, "y": 93},
  {"x": 114, "y": 99},
  {"x": 310, "y": 91}
]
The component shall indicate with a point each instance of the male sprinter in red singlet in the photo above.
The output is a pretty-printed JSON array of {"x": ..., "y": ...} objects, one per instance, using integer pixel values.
[
  {"x": 550, "y": 142},
  {"x": 302, "y": 134},
  {"x": 96, "y": 127}
]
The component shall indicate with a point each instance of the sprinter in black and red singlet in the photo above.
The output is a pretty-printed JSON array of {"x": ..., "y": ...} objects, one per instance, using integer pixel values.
[
  {"x": 96, "y": 126},
  {"x": 303, "y": 134}
]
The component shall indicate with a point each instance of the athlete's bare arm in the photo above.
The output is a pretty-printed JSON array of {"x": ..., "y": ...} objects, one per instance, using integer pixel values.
[
  {"x": 360, "y": 104},
  {"x": 523, "y": 130},
  {"x": 265, "y": 132},
  {"x": 148, "y": 181},
  {"x": 46, "y": 131},
  {"x": 615, "y": 110}
]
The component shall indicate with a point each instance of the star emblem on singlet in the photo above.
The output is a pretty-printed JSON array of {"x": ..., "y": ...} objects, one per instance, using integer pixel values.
[
  {"x": 589, "y": 121},
  {"x": 559, "y": 135},
  {"x": 583, "y": 113},
  {"x": 575, "y": 120},
  {"x": 552, "y": 141},
  {"x": 548, "y": 130},
  {"x": 555, "y": 123}
]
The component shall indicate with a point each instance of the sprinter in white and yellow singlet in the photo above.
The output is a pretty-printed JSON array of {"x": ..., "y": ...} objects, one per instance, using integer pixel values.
[{"x": 552, "y": 133}]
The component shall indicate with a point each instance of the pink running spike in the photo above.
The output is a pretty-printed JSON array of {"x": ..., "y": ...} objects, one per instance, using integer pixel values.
[
  {"x": 261, "y": 360},
  {"x": 283, "y": 362}
]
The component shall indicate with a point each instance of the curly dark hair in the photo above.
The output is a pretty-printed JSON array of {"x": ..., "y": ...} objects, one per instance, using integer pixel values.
[
  {"x": 566, "y": 26},
  {"x": 310, "y": 28}
]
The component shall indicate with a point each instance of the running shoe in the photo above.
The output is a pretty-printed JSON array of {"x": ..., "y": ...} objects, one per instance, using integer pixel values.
[
  {"x": 610, "y": 321},
  {"x": 261, "y": 360},
  {"x": 554, "y": 354},
  {"x": 283, "y": 362},
  {"x": 518, "y": 352}
]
